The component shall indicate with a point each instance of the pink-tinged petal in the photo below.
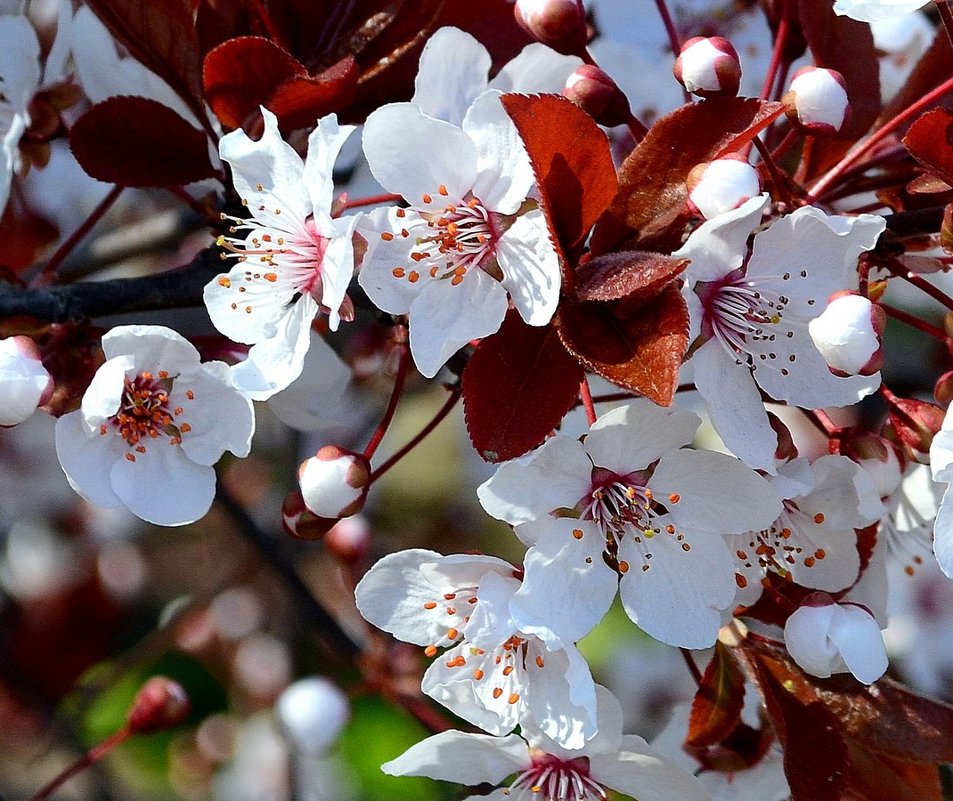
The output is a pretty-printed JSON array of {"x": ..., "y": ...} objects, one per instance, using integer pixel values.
[
  {"x": 267, "y": 170},
  {"x": 858, "y": 638},
  {"x": 504, "y": 173},
  {"x": 377, "y": 276},
  {"x": 805, "y": 635},
  {"x": 717, "y": 246},
  {"x": 461, "y": 757},
  {"x": 246, "y": 309},
  {"x": 561, "y": 697},
  {"x": 163, "y": 486},
  {"x": 324, "y": 144},
  {"x": 567, "y": 586},
  {"x": 554, "y": 476},
  {"x": 86, "y": 459},
  {"x": 104, "y": 394},
  {"x": 734, "y": 406},
  {"x": 337, "y": 269},
  {"x": 530, "y": 268},
  {"x": 633, "y": 436},
  {"x": 639, "y": 771},
  {"x": 220, "y": 418},
  {"x": 452, "y": 74},
  {"x": 679, "y": 599},
  {"x": 537, "y": 68},
  {"x": 152, "y": 347},
  {"x": 943, "y": 534},
  {"x": 273, "y": 363},
  {"x": 714, "y": 492},
  {"x": 412, "y": 154},
  {"x": 444, "y": 318}
]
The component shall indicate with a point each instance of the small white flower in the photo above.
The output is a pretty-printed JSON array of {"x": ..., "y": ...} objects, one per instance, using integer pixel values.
[
  {"x": 848, "y": 332},
  {"x": 494, "y": 674},
  {"x": 19, "y": 80},
  {"x": 24, "y": 381},
  {"x": 293, "y": 257},
  {"x": 545, "y": 771},
  {"x": 152, "y": 423},
  {"x": 873, "y": 10},
  {"x": 334, "y": 482},
  {"x": 836, "y": 638},
  {"x": 721, "y": 186}
]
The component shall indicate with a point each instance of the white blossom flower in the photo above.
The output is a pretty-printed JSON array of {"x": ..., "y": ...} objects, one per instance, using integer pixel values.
[
  {"x": 629, "y": 496},
  {"x": 908, "y": 523},
  {"x": 19, "y": 80},
  {"x": 494, "y": 674},
  {"x": 813, "y": 540},
  {"x": 545, "y": 771},
  {"x": 293, "y": 258},
  {"x": 873, "y": 10},
  {"x": 450, "y": 260},
  {"x": 836, "y": 638},
  {"x": 752, "y": 314},
  {"x": 152, "y": 423},
  {"x": 941, "y": 465},
  {"x": 24, "y": 381}
]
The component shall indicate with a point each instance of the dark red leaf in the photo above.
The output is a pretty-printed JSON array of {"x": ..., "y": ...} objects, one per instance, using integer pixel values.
[
  {"x": 161, "y": 34},
  {"x": 25, "y": 235},
  {"x": 626, "y": 272},
  {"x": 517, "y": 387},
  {"x": 874, "y": 777},
  {"x": 635, "y": 345},
  {"x": 716, "y": 708},
  {"x": 652, "y": 192},
  {"x": 299, "y": 102},
  {"x": 930, "y": 141},
  {"x": 572, "y": 163},
  {"x": 133, "y": 141}
]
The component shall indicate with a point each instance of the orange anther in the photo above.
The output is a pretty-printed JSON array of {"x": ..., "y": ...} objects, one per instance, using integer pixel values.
[
  {"x": 398, "y": 272},
  {"x": 387, "y": 236},
  {"x": 674, "y": 497},
  {"x": 430, "y": 605},
  {"x": 452, "y": 634},
  {"x": 428, "y": 198},
  {"x": 540, "y": 662},
  {"x": 271, "y": 277},
  {"x": 497, "y": 692},
  {"x": 577, "y": 533},
  {"x": 514, "y": 697},
  {"x": 442, "y": 190},
  {"x": 819, "y": 518},
  {"x": 623, "y": 566},
  {"x": 430, "y": 650},
  {"x": 413, "y": 276},
  {"x": 478, "y": 674}
]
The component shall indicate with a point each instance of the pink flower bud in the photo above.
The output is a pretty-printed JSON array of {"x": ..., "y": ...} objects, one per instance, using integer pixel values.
[
  {"x": 708, "y": 66},
  {"x": 559, "y": 24},
  {"x": 300, "y": 522},
  {"x": 817, "y": 100},
  {"x": 159, "y": 705},
  {"x": 311, "y": 713},
  {"x": 24, "y": 381},
  {"x": 349, "y": 539},
  {"x": 334, "y": 482},
  {"x": 598, "y": 95},
  {"x": 848, "y": 334},
  {"x": 720, "y": 186}
]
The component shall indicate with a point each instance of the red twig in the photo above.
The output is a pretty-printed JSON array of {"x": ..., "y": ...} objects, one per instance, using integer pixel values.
[
  {"x": 95, "y": 753},
  {"x": 395, "y": 394},
  {"x": 585, "y": 396},
  {"x": 914, "y": 322}
]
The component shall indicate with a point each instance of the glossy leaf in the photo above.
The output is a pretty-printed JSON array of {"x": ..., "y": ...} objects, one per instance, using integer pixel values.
[
  {"x": 716, "y": 707},
  {"x": 133, "y": 141},
  {"x": 624, "y": 273},
  {"x": 517, "y": 387},
  {"x": 930, "y": 141}
]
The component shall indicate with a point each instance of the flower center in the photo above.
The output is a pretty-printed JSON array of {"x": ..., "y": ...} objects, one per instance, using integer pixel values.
[
  {"x": 786, "y": 543},
  {"x": 145, "y": 413},
  {"x": 452, "y": 609},
  {"x": 553, "y": 779}
]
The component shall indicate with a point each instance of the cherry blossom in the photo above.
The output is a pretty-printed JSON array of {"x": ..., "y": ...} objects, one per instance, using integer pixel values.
[
  {"x": 152, "y": 423},
  {"x": 494, "y": 673},
  {"x": 750, "y": 315},
  {"x": 466, "y": 242},
  {"x": 24, "y": 381},
  {"x": 547, "y": 772},
  {"x": 293, "y": 258},
  {"x": 19, "y": 79},
  {"x": 873, "y": 10},
  {"x": 941, "y": 465},
  {"x": 631, "y": 497}
]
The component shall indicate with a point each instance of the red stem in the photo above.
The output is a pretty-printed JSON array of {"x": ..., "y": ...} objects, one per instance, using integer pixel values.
[
  {"x": 395, "y": 394},
  {"x": 95, "y": 753},
  {"x": 821, "y": 420},
  {"x": 921, "y": 284},
  {"x": 674, "y": 39},
  {"x": 914, "y": 322},
  {"x": 780, "y": 186},
  {"x": 692, "y": 667},
  {"x": 585, "y": 395},
  {"x": 373, "y": 200},
  {"x": 771, "y": 76}
]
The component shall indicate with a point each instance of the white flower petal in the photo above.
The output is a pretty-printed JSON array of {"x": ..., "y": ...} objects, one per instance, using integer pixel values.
[
  {"x": 20, "y": 72},
  {"x": 717, "y": 246},
  {"x": 221, "y": 418},
  {"x": 858, "y": 638},
  {"x": 639, "y": 771},
  {"x": 104, "y": 394},
  {"x": 86, "y": 459},
  {"x": 943, "y": 534},
  {"x": 530, "y": 268},
  {"x": 874, "y": 10},
  {"x": 805, "y": 635},
  {"x": 324, "y": 144},
  {"x": 461, "y": 757},
  {"x": 151, "y": 345},
  {"x": 562, "y": 698},
  {"x": 452, "y": 74},
  {"x": 536, "y": 69}
]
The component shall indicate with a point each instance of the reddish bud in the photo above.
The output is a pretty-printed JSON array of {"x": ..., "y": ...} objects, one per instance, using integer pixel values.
[
  {"x": 708, "y": 66},
  {"x": 598, "y": 95},
  {"x": 300, "y": 522},
  {"x": 334, "y": 482},
  {"x": 943, "y": 389},
  {"x": 24, "y": 381},
  {"x": 914, "y": 424},
  {"x": 159, "y": 705},
  {"x": 817, "y": 100},
  {"x": 559, "y": 24}
]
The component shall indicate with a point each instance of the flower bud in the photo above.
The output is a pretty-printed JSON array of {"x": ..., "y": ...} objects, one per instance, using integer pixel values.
[
  {"x": 559, "y": 24},
  {"x": 598, "y": 95},
  {"x": 943, "y": 389},
  {"x": 721, "y": 185},
  {"x": 817, "y": 100},
  {"x": 311, "y": 714},
  {"x": 824, "y": 637},
  {"x": 914, "y": 424},
  {"x": 300, "y": 522},
  {"x": 848, "y": 334},
  {"x": 334, "y": 482},
  {"x": 24, "y": 381},
  {"x": 349, "y": 539},
  {"x": 159, "y": 705},
  {"x": 708, "y": 66}
]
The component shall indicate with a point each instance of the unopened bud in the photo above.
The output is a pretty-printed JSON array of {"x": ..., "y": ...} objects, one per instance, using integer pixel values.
[
  {"x": 817, "y": 100},
  {"x": 349, "y": 539},
  {"x": 300, "y": 522},
  {"x": 849, "y": 334},
  {"x": 159, "y": 705},
  {"x": 708, "y": 66},
  {"x": 914, "y": 424},
  {"x": 334, "y": 482},
  {"x": 559, "y": 24},
  {"x": 720, "y": 186},
  {"x": 24, "y": 381},
  {"x": 598, "y": 95},
  {"x": 311, "y": 714},
  {"x": 943, "y": 389}
]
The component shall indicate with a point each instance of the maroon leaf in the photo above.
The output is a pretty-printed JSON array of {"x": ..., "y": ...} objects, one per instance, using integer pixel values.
[
  {"x": 636, "y": 345},
  {"x": 652, "y": 192},
  {"x": 874, "y": 777},
  {"x": 133, "y": 141},
  {"x": 626, "y": 272},
  {"x": 930, "y": 141},
  {"x": 519, "y": 384},
  {"x": 716, "y": 708},
  {"x": 161, "y": 34},
  {"x": 571, "y": 161},
  {"x": 299, "y": 102}
]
